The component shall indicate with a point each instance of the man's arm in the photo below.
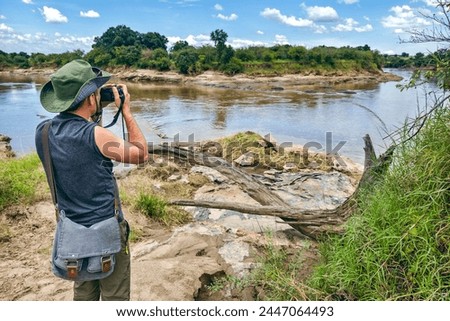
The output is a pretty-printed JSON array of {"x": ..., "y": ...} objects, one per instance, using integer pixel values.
[{"x": 135, "y": 151}]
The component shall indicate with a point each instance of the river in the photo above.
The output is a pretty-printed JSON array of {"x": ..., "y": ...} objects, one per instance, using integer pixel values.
[{"x": 330, "y": 119}]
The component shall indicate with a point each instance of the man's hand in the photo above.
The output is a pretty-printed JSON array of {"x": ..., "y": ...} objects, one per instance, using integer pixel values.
[{"x": 135, "y": 151}]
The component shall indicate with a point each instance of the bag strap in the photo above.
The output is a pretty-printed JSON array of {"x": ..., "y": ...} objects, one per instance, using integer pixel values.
[
  {"x": 48, "y": 167},
  {"x": 116, "y": 200}
]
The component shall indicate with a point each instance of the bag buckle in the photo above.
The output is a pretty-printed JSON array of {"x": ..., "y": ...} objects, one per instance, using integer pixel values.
[
  {"x": 72, "y": 269},
  {"x": 106, "y": 263}
]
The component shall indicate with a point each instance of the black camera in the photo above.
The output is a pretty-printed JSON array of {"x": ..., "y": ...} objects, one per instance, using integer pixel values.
[{"x": 107, "y": 95}]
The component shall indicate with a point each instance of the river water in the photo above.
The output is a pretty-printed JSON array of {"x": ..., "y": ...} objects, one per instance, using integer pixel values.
[{"x": 333, "y": 120}]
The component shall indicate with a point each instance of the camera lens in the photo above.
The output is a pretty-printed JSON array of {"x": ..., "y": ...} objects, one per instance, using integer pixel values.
[{"x": 106, "y": 95}]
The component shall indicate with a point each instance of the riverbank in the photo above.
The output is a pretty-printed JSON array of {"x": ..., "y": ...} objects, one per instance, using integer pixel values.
[{"x": 241, "y": 81}]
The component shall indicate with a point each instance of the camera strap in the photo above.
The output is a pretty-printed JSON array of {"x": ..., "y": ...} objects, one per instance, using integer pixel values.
[
  {"x": 119, "y": 111},
  {"x": 116, "y": 117}
]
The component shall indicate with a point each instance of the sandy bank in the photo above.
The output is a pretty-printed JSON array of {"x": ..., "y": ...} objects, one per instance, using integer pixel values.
[{"x": 219, "y": 80}]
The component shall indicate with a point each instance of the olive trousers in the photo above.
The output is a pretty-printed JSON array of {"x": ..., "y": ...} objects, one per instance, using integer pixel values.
[{"x": 115, "y": 287}]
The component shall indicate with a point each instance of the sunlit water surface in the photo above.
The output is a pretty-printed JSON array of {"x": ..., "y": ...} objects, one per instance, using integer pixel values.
[{"x": 174, "y": 112}]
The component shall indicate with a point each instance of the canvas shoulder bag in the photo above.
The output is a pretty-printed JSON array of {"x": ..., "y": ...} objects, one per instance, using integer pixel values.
[{"x": 81, "y": 253}]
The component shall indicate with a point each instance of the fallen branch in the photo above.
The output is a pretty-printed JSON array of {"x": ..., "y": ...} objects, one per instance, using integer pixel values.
[{"x": 309, "y": 222}]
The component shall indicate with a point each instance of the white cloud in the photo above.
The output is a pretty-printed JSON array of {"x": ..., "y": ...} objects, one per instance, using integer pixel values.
[
  {"x": 351, "y": 24},
  {"x": 389, "y": 52},
  {"x": 42, "y": 42},
  {"x": 202, "y": 40},
  {"x": 348, "y": 1},
  {"x": 218, "y": 7},
  {"x": 259, "y": 32},
  {"x": 6, "y": 28},
  {"x": 196, "y": 41},
  {"x": 281, "y": 40},
  {"x": 366, "y": 28},
  {"x": 431, "y": 3},
  {"x": 231, "y": 17},
  {"x": 27, "y": 1},
  {"x": 73, "y": 40},
  {"x": 275, "y": 14},
  {"x": 243, "y": 43},
  {"x": 89, "y": 14},
  {"x": 320, "y": 29},
  {"x": 404, "y": 18},
  {"x": 53, "y": 15},
  {"x": 2, "y": 16},
  {"x": 321, "y": 13}
]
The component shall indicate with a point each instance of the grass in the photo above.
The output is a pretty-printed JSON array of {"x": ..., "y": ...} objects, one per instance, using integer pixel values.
[
  {"x": 157, "y": 208},
  {"x": 277, "y": 274},
  {"x": 397, "y": 246},
  {"x": 20, "y": 179}
]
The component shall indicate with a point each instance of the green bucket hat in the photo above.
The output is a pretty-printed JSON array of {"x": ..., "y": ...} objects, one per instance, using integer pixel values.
[{"x": 70, "y": 85}]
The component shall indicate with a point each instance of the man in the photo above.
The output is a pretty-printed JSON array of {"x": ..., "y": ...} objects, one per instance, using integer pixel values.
[{"x": 82, "y": 154}]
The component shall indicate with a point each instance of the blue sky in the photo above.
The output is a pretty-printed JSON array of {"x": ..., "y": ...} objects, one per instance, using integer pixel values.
[{"x": 63, "y": 25}]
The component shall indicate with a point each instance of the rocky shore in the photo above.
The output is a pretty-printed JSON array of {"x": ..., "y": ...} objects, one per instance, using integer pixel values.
[{"x": 240, "y": 81}]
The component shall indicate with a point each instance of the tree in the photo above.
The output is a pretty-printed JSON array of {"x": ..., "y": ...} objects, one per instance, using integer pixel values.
[
  {"x": 21, "y": 60},
  {"x": 297, "y": 53},
  {"x": 116, "y": 37},
  {"x": 219, "y": 37},
  {"x": 99, "y": 57},
  {"x": 186, "y": 61},
  {"x": 153, "y": 40},
  {"x": 179, "y": 45},
  {"x": 207, "y": 55},
  {"x": 37, "y": 60},
  {"x": 127, "y": 55}
]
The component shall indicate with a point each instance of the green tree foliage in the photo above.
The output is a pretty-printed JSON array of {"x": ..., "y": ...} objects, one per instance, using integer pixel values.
[
  {"x": 155, "y": 59},
  {"x": 224, "y": 52},
  {"x": 116, "y": 37},
  {"x": 153, "y": 40},
  {"x": 122, "y": 46},
  {"x": 186, "y": 61},
  {"x": 207, "y": 57},
  {"x": 127, "y": 55},
  {"x": 99, "y": 57},
  {"x": 181, "y": 44},
  {"x": 21, "y": 60},
  {"x": 219, "y": 37}
]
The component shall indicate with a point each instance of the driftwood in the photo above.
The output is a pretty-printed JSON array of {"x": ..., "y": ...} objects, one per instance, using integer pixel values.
[{"x": 309, "y": 222}]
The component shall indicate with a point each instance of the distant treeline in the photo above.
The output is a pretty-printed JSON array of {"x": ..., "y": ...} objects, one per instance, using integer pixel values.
[{"x": 121, "y": 46}]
